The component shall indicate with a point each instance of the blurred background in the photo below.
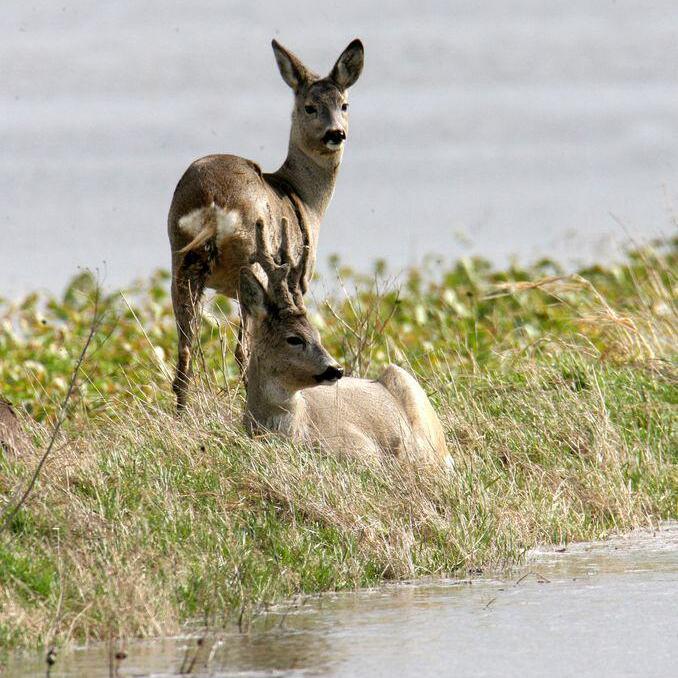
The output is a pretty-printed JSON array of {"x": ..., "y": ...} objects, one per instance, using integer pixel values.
[{"x": 527, "y": 128}]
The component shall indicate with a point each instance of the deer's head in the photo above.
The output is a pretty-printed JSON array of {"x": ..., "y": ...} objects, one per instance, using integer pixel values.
[
  {"x": 320, "y": 114},
  {"x": 285, "y": 349}
]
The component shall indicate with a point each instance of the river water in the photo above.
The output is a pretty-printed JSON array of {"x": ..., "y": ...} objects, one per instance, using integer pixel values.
[
  {"x": 531, "y": 127},
  {"x": 600, "y": 609}
]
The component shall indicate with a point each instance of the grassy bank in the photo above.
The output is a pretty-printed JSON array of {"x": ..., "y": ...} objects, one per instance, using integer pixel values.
[{"x": 557, "y": 393}]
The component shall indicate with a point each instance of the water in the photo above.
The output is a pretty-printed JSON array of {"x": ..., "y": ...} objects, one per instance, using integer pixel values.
[
  {"x": 597, "y": 609},
  {"x": 531, "y": 127}
]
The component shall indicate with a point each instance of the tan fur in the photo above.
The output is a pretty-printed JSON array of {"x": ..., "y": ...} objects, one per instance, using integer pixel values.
[
  {"x": 216, "y": 186},
  {"x": 391, "y": 416},
  {"x": 288, "y": 366}
]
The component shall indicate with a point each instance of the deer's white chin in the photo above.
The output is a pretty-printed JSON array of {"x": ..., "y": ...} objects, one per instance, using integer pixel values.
[{"x": 333, "y": 146}]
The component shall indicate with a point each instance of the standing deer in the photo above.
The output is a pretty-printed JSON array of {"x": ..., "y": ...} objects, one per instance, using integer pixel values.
[
  {"x": 220, "y": 198},
  {"x": 295, "y": 388}
]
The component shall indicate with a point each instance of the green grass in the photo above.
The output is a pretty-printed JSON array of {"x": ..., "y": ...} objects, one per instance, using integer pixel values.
[{"x": 558, "y": 395}]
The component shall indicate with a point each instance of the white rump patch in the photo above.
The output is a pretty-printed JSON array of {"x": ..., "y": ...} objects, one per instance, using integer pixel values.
[
  {"x": 192, "y": 223},
  {"x": 226, "y": 223},
  {"x": 218, "y": 221}
]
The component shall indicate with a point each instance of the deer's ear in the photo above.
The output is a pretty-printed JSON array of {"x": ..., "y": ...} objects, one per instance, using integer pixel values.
[
  {"x": 349, "y": 65},
  {"x": 293, "y": 72},
  {"x": 251, "y": 294}
]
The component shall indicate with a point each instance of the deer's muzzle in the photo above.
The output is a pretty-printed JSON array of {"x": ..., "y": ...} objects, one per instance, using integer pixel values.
[
  {"x": 330, "y": 375},
  {"x": 334, "y": 137}
]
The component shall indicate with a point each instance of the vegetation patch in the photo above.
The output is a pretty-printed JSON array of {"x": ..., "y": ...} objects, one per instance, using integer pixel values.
[{"x": 557, "y": 393}]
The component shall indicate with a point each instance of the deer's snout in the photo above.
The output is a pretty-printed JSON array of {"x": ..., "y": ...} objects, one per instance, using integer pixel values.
[
  {"x": 330, "y": 375},
  {"x": 334, "y": 137}
]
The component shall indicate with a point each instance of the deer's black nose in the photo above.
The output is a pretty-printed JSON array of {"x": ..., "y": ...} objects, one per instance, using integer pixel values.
[
  {"x": 331, "y": 374},
  {"x": 334, "y": 136}
]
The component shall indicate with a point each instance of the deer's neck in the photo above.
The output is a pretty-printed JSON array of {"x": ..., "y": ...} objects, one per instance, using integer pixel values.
[
  {"x": 312, "y": 178},
  {"x": 271, "y": 407}
]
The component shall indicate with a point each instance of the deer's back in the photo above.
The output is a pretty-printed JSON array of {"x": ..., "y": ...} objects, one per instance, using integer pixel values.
[{"x": 389, "y": 416}]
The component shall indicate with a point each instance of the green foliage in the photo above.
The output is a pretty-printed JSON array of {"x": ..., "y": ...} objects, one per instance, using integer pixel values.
[
  {"x": 557, "y": 394},
  {"x": 456, "y": 319}
]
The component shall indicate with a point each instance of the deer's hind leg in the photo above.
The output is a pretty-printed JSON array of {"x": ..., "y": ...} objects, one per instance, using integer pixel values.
[{"x": 188, "y": 284}]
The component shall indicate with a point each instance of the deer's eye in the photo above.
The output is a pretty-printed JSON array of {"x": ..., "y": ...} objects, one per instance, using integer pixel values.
[
  {"x": 310, "y": 109},
  {"x": 344, "y": 107},
  {"x": 295, "y": 341}
]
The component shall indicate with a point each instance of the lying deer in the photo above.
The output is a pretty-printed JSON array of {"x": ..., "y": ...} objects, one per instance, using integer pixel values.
[
  {"x": 296, "y": 389},
  {"x": 220, "y": 197}
]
